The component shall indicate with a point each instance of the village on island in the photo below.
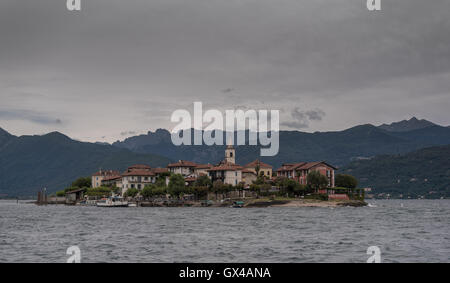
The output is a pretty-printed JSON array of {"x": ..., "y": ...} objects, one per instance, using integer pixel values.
[{"x": 186, "y": 183}]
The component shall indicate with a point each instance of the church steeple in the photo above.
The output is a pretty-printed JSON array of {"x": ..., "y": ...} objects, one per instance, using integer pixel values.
[{"x": 230, "y": 154}]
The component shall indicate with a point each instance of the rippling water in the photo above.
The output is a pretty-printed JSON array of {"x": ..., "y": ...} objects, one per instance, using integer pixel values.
[{"x": 405, "y": 231}]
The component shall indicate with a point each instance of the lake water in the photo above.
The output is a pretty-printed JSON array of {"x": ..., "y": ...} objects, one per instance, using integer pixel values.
[{"x": 404, "y": 230}]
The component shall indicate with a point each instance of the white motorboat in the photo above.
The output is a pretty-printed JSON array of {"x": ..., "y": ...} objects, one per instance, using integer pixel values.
[{"x": 114, "y": 201}]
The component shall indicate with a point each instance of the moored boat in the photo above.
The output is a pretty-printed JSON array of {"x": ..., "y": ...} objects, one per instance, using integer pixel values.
[
  {"x": 238, "y": 204},
  {"x": 114, "y": 201}
]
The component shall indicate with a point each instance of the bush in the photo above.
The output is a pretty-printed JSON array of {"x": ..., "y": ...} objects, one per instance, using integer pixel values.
[
  {"x": 100, "y": 191},
  {"x": 322, "y": 197},
  {"x": 153, "y": 191},
  {"x": 346, "y": 181}
]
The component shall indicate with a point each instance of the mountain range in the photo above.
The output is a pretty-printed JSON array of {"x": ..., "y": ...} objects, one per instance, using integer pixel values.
[
  {"x": 29, "y": 163},
  {"x": 421, "y": 173},
  {"x": 338, "y": 148},
  {"x": 53, "y": 161}
]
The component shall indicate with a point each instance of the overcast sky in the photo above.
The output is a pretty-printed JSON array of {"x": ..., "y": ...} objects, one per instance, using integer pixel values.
[{"x": 118, "y": 68}]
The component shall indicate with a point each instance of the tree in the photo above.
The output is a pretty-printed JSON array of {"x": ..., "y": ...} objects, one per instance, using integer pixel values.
[
  {"x": 257, "y": 169},
  {"x": 200, "y": 192},
  {"x": 346, "y": 181},
  {"x": 300, "y": 190},
  {"x": 176, "y": 185},
  {"x": 161, "y": 179},
  {"x": 218, "y": 187},
  {"x": 147, "y": 191},
  {"x": 132, "y": 192},
  {"x": 316, "y": 180},
  {"x": 99, "y": 191},
  {"x": 203, "y": 181},
  {"x": 259, "y": 180},
  {"x": 83, "y": 182}
]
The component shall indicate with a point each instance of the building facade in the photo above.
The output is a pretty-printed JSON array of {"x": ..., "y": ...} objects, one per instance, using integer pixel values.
[
  {"x": 299, "y": 171},
  {"x": 264, "y": 169},
  {"x": 183, "y": 167},
  {"x": 97, "y": 178}
]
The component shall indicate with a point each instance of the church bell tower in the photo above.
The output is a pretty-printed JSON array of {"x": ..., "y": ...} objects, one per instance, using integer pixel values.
[{"x": 230, "y": 154}]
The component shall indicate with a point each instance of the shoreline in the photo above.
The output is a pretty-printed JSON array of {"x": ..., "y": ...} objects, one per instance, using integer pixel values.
[{"x": 307, "y": 203}]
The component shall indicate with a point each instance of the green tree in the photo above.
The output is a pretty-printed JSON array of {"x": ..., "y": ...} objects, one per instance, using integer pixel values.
[
  {"x": 83, "y": 182},
  {"x": 147, "y": 191},
  {"x": 290, "y": 186},
  {"x": 161, "y": 180},
  {"x": 200, "y": 192},
  {"x": 257, "y": 169},
  {"x": 345, "y": 181},
  {"x": 316, "y": 180},
  {"x": 176, "y": 185},
  {"x": 132, "y": 192},
  {"x": 99, "y": 191},
  {"x": 203, "y": 181},
  {"x": 218, "y": 187}
]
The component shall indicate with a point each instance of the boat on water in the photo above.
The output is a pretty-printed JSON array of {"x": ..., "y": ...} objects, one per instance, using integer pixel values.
[
  {"x": 238, "y": 204},
  {"x": 114, "y": 201}
]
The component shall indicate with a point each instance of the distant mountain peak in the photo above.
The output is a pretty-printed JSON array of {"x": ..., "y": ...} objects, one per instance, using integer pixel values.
[
  {"x": 57, "y": 136},
  {"x": 5, "y": 136},
  {"x": 407, "y": 125},
  {"x": 4, "y": 132}
]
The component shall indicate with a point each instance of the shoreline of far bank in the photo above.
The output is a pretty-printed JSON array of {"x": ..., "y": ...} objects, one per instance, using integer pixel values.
[{"x": 306, "y": 203}]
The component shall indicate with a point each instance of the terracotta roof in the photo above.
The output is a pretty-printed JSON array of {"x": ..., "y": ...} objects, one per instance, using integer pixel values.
[
  {"x": 225, "y": 166},
  {"x": 139, "y": 172},
  {"x": 160, "y": 170},
  {"x": 248, "y": 171},
  {"x": 139, "y": 166},
  {"x": 110, "y": 178},
  {"x": 302, "y": 166},
  {"x": 257, "y": 162},
  {"x": 106, "y": 173},
  {"x": 203, "y": 166},
  {"x": 183, "y": 163}
]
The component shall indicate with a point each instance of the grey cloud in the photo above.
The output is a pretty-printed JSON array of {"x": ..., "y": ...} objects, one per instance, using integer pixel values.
[
  {"x": 127, "y": 133},
  {"x": 228, "y": 90},
  {"x": 134, "y": 62},
  {"x": 27, "y": 115},
  {"x": 301, "y": 119}
]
